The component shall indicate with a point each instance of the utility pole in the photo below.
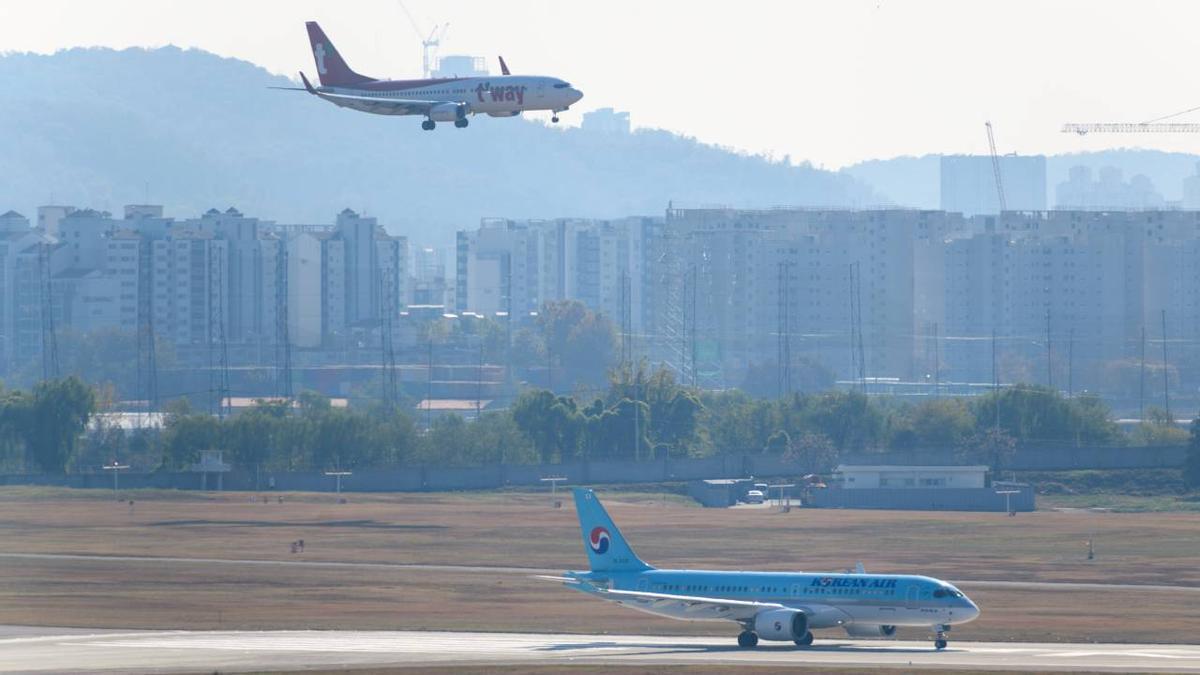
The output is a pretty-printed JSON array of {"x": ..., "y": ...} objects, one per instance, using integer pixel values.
[
  {"x": 995, "y": 381},
  {"x": 429, "y": 382},
  {"x": 937, "y": 364},
  {"x": 695, "y": 317},
  {"x": 1166, "y": 374},
  {"x": 1049, "y": 355},
  {"x": 1071, "y": 364},
  {"x": 283, "y": 341},
  {"x": 1142, "y": 380},
  {"x": 49, "y": 334}
]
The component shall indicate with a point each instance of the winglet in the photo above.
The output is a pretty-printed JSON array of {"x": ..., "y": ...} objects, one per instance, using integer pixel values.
[
  {"x": 307, "y": 85},
  {"x": 504, "y": 67}
]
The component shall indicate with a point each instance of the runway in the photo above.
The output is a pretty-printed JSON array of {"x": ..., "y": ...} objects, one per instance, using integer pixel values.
[
  {"x": 968, "y": 584},
  {"x": 75, "y": 650}
]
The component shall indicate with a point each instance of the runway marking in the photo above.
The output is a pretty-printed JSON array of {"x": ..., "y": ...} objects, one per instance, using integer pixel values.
[{"x": 178, "y": 651}]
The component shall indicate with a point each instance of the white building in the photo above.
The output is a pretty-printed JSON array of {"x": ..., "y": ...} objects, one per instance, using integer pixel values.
[{"x": 858, "y": 477}]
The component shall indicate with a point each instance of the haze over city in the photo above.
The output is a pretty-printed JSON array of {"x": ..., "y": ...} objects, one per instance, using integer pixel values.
[
  {"x": 832, "y": 83},
  {"x": 437, "y": 337}
]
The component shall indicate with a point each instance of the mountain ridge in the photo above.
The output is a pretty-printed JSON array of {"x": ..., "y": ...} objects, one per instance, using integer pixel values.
[{"x": 99, "y": 127}]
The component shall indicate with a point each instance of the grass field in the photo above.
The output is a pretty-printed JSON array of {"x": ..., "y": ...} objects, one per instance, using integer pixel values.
[{"x": 516, "y": 529}]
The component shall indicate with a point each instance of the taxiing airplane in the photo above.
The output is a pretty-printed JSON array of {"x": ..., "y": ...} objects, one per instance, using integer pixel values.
[
  {"x": 452, "y": 99},
  {"x": 768, "y": 605}
]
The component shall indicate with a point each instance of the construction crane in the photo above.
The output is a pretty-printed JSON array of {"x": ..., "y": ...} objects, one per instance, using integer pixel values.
[
  {"x": 1154, "y": 126},
  {"x": 1131, "y": 128},
  {"x": 429, "y": 44},
  {"x": 996, "y": 166}
]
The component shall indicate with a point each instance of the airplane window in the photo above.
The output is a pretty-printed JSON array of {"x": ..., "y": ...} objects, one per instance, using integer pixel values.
[
  {"x": 939, "y": 593},
  {"x": 561, "y": 85}
]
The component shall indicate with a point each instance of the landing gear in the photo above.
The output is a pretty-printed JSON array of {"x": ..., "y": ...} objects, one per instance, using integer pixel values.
[
  {"x": 554, "y": 119},
  {"x": 939, "y": 641},
  {"x": 747, "y": 639},
  {"x": 428, "y": 125},
  {"x": 805, "y": 641},
  {"x": 461, "y": 124}
]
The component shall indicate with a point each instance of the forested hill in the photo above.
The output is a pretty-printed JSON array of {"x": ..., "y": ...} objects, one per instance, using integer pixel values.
[{"x": 191, "y": 130}]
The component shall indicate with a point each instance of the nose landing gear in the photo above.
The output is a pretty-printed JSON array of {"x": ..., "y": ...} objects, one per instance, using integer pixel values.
[{"x": 940, "y": 642}]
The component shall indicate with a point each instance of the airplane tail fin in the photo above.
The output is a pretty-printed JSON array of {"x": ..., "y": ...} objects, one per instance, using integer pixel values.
[
  {"x": 504, "y": 67},
  {"x": 607, "y": 550},
  {"x": 331, "y": 68}
]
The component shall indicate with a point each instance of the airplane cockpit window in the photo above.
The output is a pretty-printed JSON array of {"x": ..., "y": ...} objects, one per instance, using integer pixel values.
[
  {"x": 561, "y": 85},
  {"x": 947, "y": 593}
]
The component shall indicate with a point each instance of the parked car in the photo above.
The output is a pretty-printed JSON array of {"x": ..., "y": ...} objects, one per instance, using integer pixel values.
[{"x": 754, "y": 497}]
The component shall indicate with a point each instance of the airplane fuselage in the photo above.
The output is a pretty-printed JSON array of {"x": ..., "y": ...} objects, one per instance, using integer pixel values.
[
  {"x": 830, "y": 600},
  {"x": 501, "y": 96}
]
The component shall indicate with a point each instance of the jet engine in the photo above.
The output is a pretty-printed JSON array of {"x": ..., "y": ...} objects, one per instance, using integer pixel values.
[
  {"x": 781, "y": 624},
  {"x": 448, "y": 112},
  {"x": 865, "y": 630}
]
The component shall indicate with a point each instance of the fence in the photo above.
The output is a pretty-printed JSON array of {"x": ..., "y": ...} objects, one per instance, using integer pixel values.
[{"x": 733, "y": 465}]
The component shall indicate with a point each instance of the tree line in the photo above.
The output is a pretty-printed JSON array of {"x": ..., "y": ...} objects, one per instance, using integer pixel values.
[{"x": 640, "y": 414}]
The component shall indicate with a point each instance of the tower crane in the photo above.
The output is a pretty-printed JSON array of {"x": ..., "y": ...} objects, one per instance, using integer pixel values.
[
  {"x": 996, "y": 166},
  {"x": 1154, "y": 126},
  {"x": 429, "y": 44}
]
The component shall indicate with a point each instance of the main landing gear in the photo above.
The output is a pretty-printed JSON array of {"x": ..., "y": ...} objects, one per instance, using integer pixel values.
[
  {"x": 461, "y": 124},
  {"x": 747, "y": 639},
  {"x": 805, "y": 641},
  {"x": 939, "y": 641},
  {"x": 428, "y": 125}
]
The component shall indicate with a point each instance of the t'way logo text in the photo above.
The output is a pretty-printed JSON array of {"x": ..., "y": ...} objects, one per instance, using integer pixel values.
[{"x": 508, "y": 92}]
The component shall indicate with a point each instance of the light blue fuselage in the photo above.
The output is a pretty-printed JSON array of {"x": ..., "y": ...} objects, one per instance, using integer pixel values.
[{"x": 831, "y": 600}]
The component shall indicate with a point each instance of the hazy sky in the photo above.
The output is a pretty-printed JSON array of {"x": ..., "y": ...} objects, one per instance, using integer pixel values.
[{"x": 829, "y": 82}]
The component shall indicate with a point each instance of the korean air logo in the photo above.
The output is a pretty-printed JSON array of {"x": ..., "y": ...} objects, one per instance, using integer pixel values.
[
  {"x": 319, "y": 53},
  {"x": 599, "y": 540}
]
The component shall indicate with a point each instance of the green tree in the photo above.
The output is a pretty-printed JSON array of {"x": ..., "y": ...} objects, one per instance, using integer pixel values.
[
  {"x": 580, "y": 342},
  {"x": 1191, "y": 468},
  {"x": 813, "y": 452},
  {"x": 186, "y": 435},
  {"x": 51, "y": 420}
]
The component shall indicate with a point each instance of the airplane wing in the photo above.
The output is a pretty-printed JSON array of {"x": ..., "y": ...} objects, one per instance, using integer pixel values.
[
  {"x": 382, "y": 106},
  {"x": 722, "y": 608}
]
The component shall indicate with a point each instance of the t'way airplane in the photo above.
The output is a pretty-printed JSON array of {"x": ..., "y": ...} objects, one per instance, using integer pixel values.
[
  {"x": 451, "y": 99},
  {"x": 768, "y": 605}
]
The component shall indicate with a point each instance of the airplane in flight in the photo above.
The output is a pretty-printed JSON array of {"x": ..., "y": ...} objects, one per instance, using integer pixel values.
[
  {"x": 768, "y": 605},
  {"x": 451, "y": 99}
]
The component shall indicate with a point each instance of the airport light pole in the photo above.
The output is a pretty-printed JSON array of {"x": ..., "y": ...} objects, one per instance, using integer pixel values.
[
  {"x": 116, "y": 469},
  {"x": 1008, "y": 499},
  {"x": 554, "y": 481},
  {"x": 338, "y": 475}
]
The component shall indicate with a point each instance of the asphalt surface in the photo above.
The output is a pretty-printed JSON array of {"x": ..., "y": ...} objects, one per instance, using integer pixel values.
[
  {"x": 24, "y": 649},
  {"x": 484, "y": 569}
]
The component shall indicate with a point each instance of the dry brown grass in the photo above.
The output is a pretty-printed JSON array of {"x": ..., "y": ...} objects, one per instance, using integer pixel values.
[{"x": 521, "y": 530}]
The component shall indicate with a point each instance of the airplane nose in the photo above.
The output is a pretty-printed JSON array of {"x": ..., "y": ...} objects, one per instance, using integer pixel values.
[
  {"x": 576, "y": 95},
  {"x": 970, "y": 612}
]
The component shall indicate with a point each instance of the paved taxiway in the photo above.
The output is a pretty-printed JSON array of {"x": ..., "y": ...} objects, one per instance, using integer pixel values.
[{"x": 75, "y": 650}]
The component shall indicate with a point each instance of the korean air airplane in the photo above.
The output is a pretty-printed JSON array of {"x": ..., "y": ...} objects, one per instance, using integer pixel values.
[
  {"x": 767, "y": 605},
  {"x": 453, "y": 99}
]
